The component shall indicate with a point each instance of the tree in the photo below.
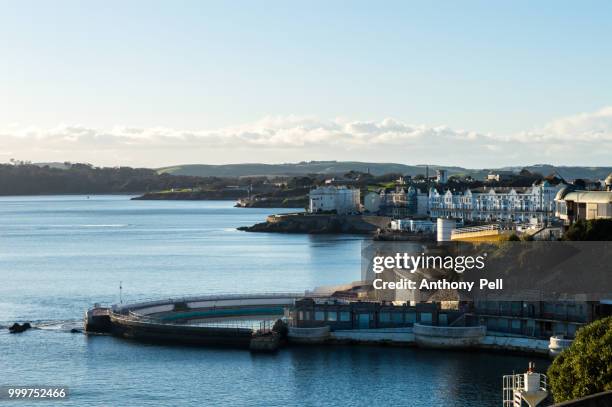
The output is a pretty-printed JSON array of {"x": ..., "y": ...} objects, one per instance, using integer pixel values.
[
  {"x": 580, "y": 183},
  {"x": 594, "y": 229},
  {"x": 586, "y": 366}
]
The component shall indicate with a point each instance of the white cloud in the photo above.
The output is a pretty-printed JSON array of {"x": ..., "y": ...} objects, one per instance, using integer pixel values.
[
  {"x": 585, "y": 127},
  {"x": 582, "y": 138},
  {"x": 276, "y": 132}
]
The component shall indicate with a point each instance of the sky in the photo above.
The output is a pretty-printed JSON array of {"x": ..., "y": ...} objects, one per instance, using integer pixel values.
[{"x": 156, "y": 83}]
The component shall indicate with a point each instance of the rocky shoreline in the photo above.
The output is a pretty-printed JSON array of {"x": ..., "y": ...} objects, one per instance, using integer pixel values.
[
  {"x": 292, "y": 202},
  {"x": 320, "y": 224},
  {"x": 191, "y": 196}
]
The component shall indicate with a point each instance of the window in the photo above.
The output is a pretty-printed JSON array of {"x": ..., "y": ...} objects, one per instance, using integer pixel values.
[
  {"x": 491, "y": 324},
  {"x": 410, "y": 317},
  {"x": 604, "y": 210},
  {"x": 426, "y": 318},
  {"x": 345, "y": 316},
  {"x": 301, "y": 315},
  {"x": 560, "y": 329},
  {"x": 531, "y": 327},
  {"x": 504, "y": 324},
  {"x": 385, "y": 317},
  {"x": 397, "y": 318},
  {"x": 332, "y": 316},
  {"x": 319, "y": 316},
  {"x": 516, "y": 325},
  {"x": 443, "y": 319},
  {"x": 506, "y": 308}
]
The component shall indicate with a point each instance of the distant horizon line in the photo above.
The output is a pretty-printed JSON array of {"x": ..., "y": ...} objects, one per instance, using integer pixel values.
[{"x": 304, "y": 162}]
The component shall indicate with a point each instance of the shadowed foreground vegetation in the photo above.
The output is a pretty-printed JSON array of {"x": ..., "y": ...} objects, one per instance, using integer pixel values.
[{"x": 586, "y": 367}]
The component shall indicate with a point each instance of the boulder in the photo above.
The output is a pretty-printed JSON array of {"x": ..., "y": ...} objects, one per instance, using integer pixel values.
[{"x": 17, "y": 328}]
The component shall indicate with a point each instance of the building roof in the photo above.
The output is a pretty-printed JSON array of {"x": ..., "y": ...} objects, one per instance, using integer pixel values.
[
  {"x": 562, "y": 192},
  {"x": 589, "y": 196}
]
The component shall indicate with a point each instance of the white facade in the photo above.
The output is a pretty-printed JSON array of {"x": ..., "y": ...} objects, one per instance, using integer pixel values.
[
  {"x": 403, "y": 203},
  {"x": 331, "y": 198},
  {"x": 444, "y": 229},
  {"x": 422, "y": 204},
  {"x": 501, "y": 204},
  {"x": 371, "y": 202},
  {"x": 414, "y": 226},
  {"x": 441, "y": 176},
  {"x": 586, "y": 205}
]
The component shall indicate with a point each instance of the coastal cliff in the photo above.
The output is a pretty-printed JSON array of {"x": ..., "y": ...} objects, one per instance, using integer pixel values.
[{"x": 319, "y": 224}]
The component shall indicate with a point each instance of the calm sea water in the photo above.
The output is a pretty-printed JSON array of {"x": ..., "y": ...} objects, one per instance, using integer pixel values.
[{"x": 60, "y": 254}]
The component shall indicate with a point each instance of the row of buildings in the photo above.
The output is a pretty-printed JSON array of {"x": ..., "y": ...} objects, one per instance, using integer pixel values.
[
  {"x": 538, "y": 203},
  {"x": 532, "y": 319},
  {"x": 496, "y": 204}
]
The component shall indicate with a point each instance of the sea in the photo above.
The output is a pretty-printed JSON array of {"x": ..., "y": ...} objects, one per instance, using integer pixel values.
[{"x": 61, "y": 254}]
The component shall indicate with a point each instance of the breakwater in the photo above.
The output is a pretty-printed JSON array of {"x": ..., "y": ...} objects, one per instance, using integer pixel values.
[{"x": 241, "y": 321}]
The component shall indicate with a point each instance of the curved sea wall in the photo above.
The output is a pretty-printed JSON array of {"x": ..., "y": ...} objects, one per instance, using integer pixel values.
[
  {"x": 515, "y": 344},
  {"x": 320, "y": 223},
  {"x": 214, "y": 320},
  {"x": 308, "y": 335},
  {"x": 150, "y": 331},
  {"x": 448, "y": 337}
]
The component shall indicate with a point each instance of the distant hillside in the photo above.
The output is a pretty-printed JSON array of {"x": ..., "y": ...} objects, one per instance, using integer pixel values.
[
  {"x": 342, "y": 167},
  {"x": 592, "y": 173},
  {"x": 32, "y": 179},
  {"x": 302, "y": 168}
]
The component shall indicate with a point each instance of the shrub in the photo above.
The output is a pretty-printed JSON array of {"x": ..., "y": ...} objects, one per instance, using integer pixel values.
[
  {"x": 586, "y": 366},
  {"x": 596, "y": 229}
]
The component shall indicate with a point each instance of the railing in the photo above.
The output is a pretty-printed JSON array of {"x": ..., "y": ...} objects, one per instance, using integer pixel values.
[
  {"x": 513, "y": 384},
  {"x": 262, "y": 326},
  {"x": 476, "y": 229},
  {"x": 147, "y": 302},
  {"x": 543, "y": 382}
]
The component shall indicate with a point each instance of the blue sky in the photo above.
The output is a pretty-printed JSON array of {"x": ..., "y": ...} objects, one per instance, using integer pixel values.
[{"x": 193, "y": 81}]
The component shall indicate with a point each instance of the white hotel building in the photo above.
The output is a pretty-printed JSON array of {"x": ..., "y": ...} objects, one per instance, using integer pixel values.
[
  {"x": 341, "y": 199},
  {"x": 497, "y": 204}
]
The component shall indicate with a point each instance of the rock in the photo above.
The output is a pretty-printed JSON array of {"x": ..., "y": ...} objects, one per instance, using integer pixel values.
[
  {"x": 17, "y": 328},
  {"x": 265, "y": 343},
  {"x": 319, "y": 224}
]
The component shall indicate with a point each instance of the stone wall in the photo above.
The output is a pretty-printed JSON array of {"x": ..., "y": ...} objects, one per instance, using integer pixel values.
[{"x": 448, "y": 337}]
